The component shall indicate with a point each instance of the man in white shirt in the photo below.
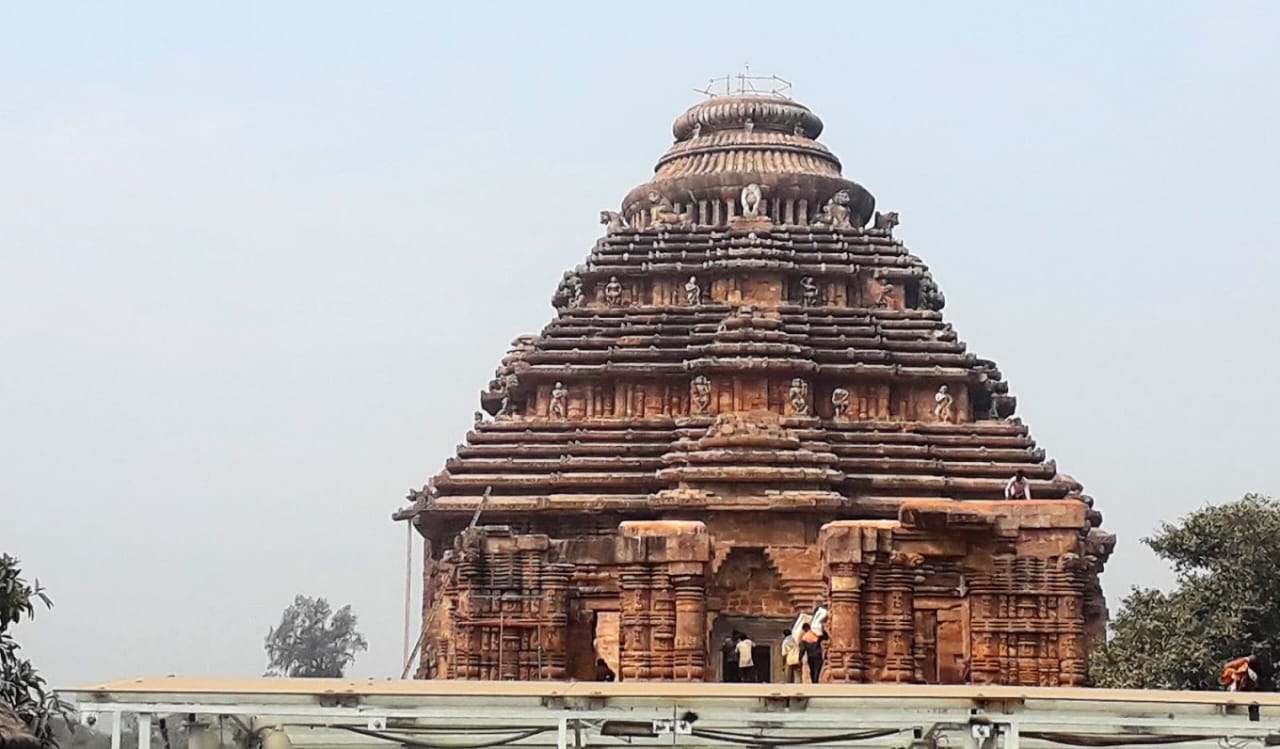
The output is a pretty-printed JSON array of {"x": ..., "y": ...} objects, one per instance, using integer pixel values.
[
  {"x": 791, "y": 657},
  {"x": 1018, "y": 487},
  {"x": 746, "y": 666}
]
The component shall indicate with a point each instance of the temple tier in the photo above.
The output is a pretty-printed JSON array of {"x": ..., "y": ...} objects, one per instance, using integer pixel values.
[{"x": 747, "y": 405}]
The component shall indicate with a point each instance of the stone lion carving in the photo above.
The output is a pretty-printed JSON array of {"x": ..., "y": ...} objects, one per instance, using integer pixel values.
[
  {"x": 885, "y": 222},
  {"x": 613, "y": 221},
  {"x": 930, "y": 296},
  {"x": 835, "y": 213},
  {"x": 751, "y": 197},
  {"x": 662, "y": 212},
  {"x": 908, "y": 559}
]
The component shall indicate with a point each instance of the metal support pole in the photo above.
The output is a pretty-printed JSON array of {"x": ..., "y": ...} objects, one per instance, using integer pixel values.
[
  {"x": 1011, "y": 736},
  {"x": 116, "y": 720},
  {"x": 144, "y": 730},
  {"x": 562, "y": 734}
]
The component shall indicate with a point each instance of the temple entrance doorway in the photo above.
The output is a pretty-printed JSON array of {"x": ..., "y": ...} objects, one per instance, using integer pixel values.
[{"x": 764, "y": 631}]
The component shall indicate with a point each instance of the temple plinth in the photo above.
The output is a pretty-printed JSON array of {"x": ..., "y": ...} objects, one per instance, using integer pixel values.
[{"x": 749, "y": 404}]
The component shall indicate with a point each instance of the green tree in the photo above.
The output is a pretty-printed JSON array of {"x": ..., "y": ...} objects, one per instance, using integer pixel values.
[
  {"x": 24, "y": 695},
  {"x": 313, "y": 640},
  {"x": 1225, "y": 602}
]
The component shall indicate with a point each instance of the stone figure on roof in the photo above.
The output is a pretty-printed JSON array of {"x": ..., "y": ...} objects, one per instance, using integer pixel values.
[
  {"x": 693, "y": 292},
  {"x": 884, "y": 300},
  {"x": 839, "y": 402},
  {"x": 942, "y": 403},
  {"x": 700, "y": 395},
  {"x": 835, "y": 213},
  {"x": 577, "y": 297},
  {"x": 751, "y": 196},
  {"x": 799, "y": 397},
  {"x": 559, "y": 401},
  {"x": 809, "y": 292},
  {"x": 885, "y": 222},
  {"x": 613, "y": 221},
  {"x": 662, "y": 212},
  {"x": 613, "y": 292}
]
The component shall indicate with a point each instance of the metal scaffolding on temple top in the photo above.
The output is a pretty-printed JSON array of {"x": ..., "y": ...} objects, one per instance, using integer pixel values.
[{"x": 745, "y": 84}]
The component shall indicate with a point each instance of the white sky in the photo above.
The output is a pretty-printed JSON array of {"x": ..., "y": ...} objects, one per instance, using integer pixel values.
[{"x": 256, "y": 261}]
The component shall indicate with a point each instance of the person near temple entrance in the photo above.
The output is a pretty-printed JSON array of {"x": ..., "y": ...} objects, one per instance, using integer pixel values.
[
  {"x": 603, "y": 672},
  {"x": 1238, "y": 675},
  {"x": 1018, "y": 487},
  {"x": 729, "y": 653},
  {"x": 811, "y": 646},
  {"x": 791, "y": 657},
  {"x": 746, "y": 666}
]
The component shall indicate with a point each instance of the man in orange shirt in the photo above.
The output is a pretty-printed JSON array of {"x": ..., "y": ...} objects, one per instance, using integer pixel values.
[{"x": 1238, "y": 675}]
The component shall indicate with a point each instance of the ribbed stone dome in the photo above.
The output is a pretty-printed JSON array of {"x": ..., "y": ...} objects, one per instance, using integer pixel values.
[{"x": 728, "y": 142}]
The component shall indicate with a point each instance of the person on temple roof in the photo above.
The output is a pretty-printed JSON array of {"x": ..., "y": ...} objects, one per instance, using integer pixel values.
[
  {"x": 1018, "y": 487},
  {"x": 1238, "y": 675}
]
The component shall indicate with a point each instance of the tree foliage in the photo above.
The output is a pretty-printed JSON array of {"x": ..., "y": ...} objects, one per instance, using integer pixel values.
[
  {"x": 313, "y": 640},
  {"x": 22, "y": 689},
  {"x": 1225, "y": 603}
]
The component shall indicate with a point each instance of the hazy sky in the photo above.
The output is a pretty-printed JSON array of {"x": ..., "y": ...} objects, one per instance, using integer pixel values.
[{"x": 257, "y": 260}]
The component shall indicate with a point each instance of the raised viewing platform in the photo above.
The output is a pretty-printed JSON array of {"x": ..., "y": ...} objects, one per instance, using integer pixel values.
[{"x": 315, "y": 713}]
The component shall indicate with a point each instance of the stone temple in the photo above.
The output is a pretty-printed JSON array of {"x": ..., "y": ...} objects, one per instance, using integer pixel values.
[{"x": 747, "y": 404}]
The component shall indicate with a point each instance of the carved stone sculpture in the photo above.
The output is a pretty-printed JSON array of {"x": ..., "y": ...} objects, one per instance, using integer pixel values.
[
  {"x": 798, "y": 394},
  {"x": 700, "y": 395},
  {"x": 613, "y": 292},
  {"x": 478, "y": 417},
  {"x": 577, "y": 297},
  {"x": 884, "y": 299},
  {"x": 613, "y": 221},
  {"x": 751, "y": 197},
  {"x": 930, "y": 295},
  {"x": 559, "y": 401},
  {"x": 839, "y": 402},
  {"x": 885, "y": 222},
  {"x": 697, "y": 129},
  {"x": 835, "y": 213},
  {"x": 749, "y": 125},
  {"x": 942, "y": 403},
  {"x": 663, "y": 215},
  {"x": 509, "y": 384},
  {"x": 809, "y": 296},
  {"x": 692, "y": 292}
]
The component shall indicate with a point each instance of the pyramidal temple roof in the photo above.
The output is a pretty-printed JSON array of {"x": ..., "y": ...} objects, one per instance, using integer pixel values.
[{"x": 747, "y": 334}]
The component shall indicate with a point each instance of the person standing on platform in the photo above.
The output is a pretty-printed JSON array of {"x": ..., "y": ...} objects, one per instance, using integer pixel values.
[
  {"x": 1018, "y": 487},
  {"x": 811, "y": 645},
  {"x": 791, "y": 657},
  {"x": 746, "y": 666}
]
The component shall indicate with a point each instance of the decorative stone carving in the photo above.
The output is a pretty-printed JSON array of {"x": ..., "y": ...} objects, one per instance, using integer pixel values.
[
  {"x": 509, "y": 384},
  {"x": 993, "y": 408},
  {"x": 613, "y": 292},
  {"x": 931, "y": 296},
  {"x": 749, "y": 125},
  {"x": 942, "y": 403},
  {"x": 613, "y": 221},
  {"x": 478, "y": 417},
  {"x": 809, "y": 295},
  {"x": 835, "y": 213},
  {"x": 559, "y": 401},
  {"x": 884, "y": 299},
  {"x": 662, "y": 213},
  {"x": 798, "y": 130},
  {"x": 839, "y": 402},
  {"x": 884, "y": 222},
  {"x": 697, "y": 129},
  {"x": 798, "y": 394},
  {"x": 577, "y": 297},
  {"x": 692, "y": 292},
  {"x": 751, "y": 197},
  {"x": 700, "y": 395}
]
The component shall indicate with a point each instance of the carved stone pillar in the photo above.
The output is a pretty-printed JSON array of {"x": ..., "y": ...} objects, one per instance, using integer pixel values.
[
  {"x": 844, "y": 654},
  {"x": 899, "y": 623},
  {"x": 689, "y": 658},
  {"x": 633, "y": 606},
  {"x": 1072, "y": 660},
  {"x": 662, "y": 610}
]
